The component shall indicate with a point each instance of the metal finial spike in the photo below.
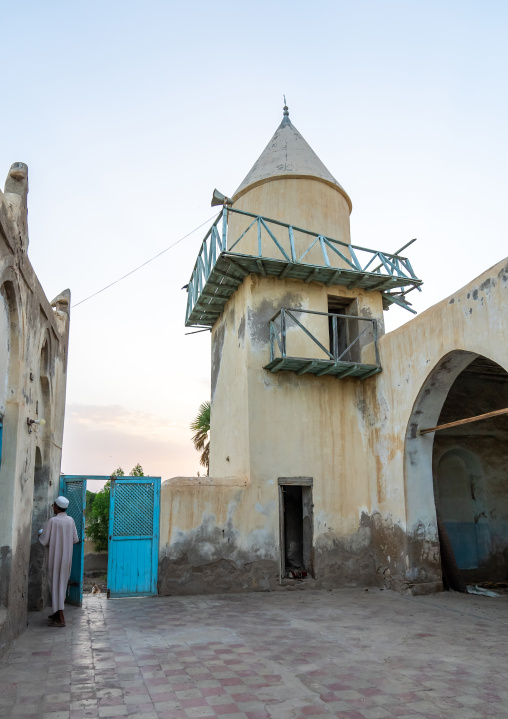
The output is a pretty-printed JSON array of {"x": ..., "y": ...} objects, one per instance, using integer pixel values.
[{"x": 286, "y": 109}]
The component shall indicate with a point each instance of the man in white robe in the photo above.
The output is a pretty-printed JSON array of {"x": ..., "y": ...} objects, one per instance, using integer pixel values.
[{"x": 60, "y": 534}]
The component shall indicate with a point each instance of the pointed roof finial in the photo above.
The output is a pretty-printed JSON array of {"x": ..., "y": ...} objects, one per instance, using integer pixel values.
[{"x": 287, "y": 155}]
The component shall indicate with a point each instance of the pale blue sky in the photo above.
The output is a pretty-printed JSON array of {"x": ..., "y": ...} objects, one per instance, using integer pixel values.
[{"x": 128, "y": 116}]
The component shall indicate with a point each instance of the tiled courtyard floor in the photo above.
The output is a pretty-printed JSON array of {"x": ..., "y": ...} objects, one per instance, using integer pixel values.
[{"x": 298, "y": 654}]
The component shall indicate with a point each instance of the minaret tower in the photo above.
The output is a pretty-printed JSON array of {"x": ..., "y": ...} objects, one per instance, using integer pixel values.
[{"x": 296, "y": 311}]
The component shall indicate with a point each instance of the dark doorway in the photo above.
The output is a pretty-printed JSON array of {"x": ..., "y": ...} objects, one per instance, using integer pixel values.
[
  {"x": 347, "y": 330},
  {"x": 296, "y": 526}
]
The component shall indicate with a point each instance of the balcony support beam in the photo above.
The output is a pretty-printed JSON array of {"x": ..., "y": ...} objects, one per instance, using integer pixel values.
[
  {"x": 312, "y": 275},
  {"x": 285, "y": 271},
  {"x": 333, "y": 279},
  {"x": 215, "y": 296},
  {"x": 347, "y": 372},
  {"x": 307, "y": 368},
  {"x": 276, "y": 367},
  {"x": 261, "y": 267},
  {"x": 238, "y": 280},
  {"x": 326, "y": 370}
]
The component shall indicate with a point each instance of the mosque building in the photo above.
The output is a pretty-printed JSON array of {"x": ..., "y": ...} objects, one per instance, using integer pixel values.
[
  {"x": 323, "y": 471},
  {"x": 340, "y": 455}
]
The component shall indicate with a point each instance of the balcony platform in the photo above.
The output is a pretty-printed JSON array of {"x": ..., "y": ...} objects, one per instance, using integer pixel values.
[
  {"x": 230, "y": 270},
  {"x": 320, "y": 367},
  {"x": 219, "y": 271}
]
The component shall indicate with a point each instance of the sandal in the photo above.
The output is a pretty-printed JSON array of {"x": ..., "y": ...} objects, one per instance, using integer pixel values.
[{"x": 54, "y": 623}]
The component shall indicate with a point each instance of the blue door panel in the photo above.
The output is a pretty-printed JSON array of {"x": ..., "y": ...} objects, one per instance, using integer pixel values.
[
  {"x": 131, "y": 570},
  {"x": 463, "y": 540},
  {"x": 133, "y": 546}
]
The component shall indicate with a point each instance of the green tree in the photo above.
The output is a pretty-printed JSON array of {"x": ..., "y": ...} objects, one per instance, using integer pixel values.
[
  {"x": 97, "y": 518},
  {"x": 137, "y": 471},
  {"x": 90, "y": 496},
  {"x": 201, "y": 426},
  {"x": 97, "y": 510}
]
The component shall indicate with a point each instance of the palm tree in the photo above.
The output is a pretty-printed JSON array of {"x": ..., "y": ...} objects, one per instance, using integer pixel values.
[{"x": 201, "y": 426}]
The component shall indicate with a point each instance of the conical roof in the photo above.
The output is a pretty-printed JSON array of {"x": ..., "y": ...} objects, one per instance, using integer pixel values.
[{"x": 288, "y": 154}]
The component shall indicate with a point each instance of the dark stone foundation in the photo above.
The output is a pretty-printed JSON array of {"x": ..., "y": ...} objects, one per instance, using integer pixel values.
[{"x": 380, "y": 554}]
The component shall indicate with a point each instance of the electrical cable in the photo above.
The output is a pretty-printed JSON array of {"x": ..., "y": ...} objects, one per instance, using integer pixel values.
[{"x": 144, "y": 263}]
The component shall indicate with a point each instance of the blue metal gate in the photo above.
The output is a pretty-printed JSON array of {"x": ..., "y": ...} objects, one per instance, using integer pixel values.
[
  {"x": 133, "y": 547},
  {"x": 74, "y": 488}
]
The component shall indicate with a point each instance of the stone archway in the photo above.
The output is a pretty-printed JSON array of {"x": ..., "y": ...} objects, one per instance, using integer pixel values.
[
  {"x": 9, "y": 413},
  {"x": 463, "y": 384}
]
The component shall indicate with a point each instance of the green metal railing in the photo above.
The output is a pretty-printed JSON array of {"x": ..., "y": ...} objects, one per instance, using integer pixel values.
[
  {"x": 278, "y": 256},
  {"x": 336, "y": 351}
]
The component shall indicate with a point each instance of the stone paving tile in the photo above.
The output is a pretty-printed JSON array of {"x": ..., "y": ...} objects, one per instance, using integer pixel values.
[{"x": 343, "y": 654}]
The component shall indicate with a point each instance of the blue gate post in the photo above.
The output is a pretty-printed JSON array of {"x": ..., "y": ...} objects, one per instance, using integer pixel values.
[{"x": 75, "y": 490}]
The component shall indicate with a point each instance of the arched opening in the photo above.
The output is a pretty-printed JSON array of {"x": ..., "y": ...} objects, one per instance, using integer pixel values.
[
  {"x": 9, "y": 417},
  {"x": 43, "y": 404},
  {"x": 37, "y": 569},
  {"x": 460, "y": 473},
  {"x": 471, "y": 471}
]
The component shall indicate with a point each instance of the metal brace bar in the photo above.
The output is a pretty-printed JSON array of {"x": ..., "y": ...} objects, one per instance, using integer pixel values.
[
  {"x": 274, "y": 239},
  {"x": 338, "y": 252},
  {"x": 241, "y": 236},
  {"x": 314, "y": 339},
  {"x": 352, "y": 343},
  {"x": 323, "y": 250},
  {"x": 292, "y": 243}
]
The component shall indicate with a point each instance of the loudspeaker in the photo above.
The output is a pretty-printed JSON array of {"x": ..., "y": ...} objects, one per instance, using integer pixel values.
[{"x": 219, "y": 199}]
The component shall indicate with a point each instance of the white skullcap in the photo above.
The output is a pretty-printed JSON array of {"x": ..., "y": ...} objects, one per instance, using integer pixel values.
[{"x": 62, "y": 502}]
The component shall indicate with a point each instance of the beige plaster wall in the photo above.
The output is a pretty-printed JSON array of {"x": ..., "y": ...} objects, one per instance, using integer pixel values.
[
  {"x": 303, "y": 202},
  {"x": 33, "y": 380},
  {"x": 473, "y": 320},
  {"x": 265, "y": 426}
]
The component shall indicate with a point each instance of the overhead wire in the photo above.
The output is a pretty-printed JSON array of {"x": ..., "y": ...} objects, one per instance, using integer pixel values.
[{"x": 144, "y": 263}]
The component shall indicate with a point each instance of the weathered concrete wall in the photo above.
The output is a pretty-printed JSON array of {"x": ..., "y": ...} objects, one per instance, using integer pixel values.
[
  {"x": 94, "y": 561},
  {"x": 421, "y": 360},
  {"x": 33, "y": 359},
  {"x": 374, "y": 510}
]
